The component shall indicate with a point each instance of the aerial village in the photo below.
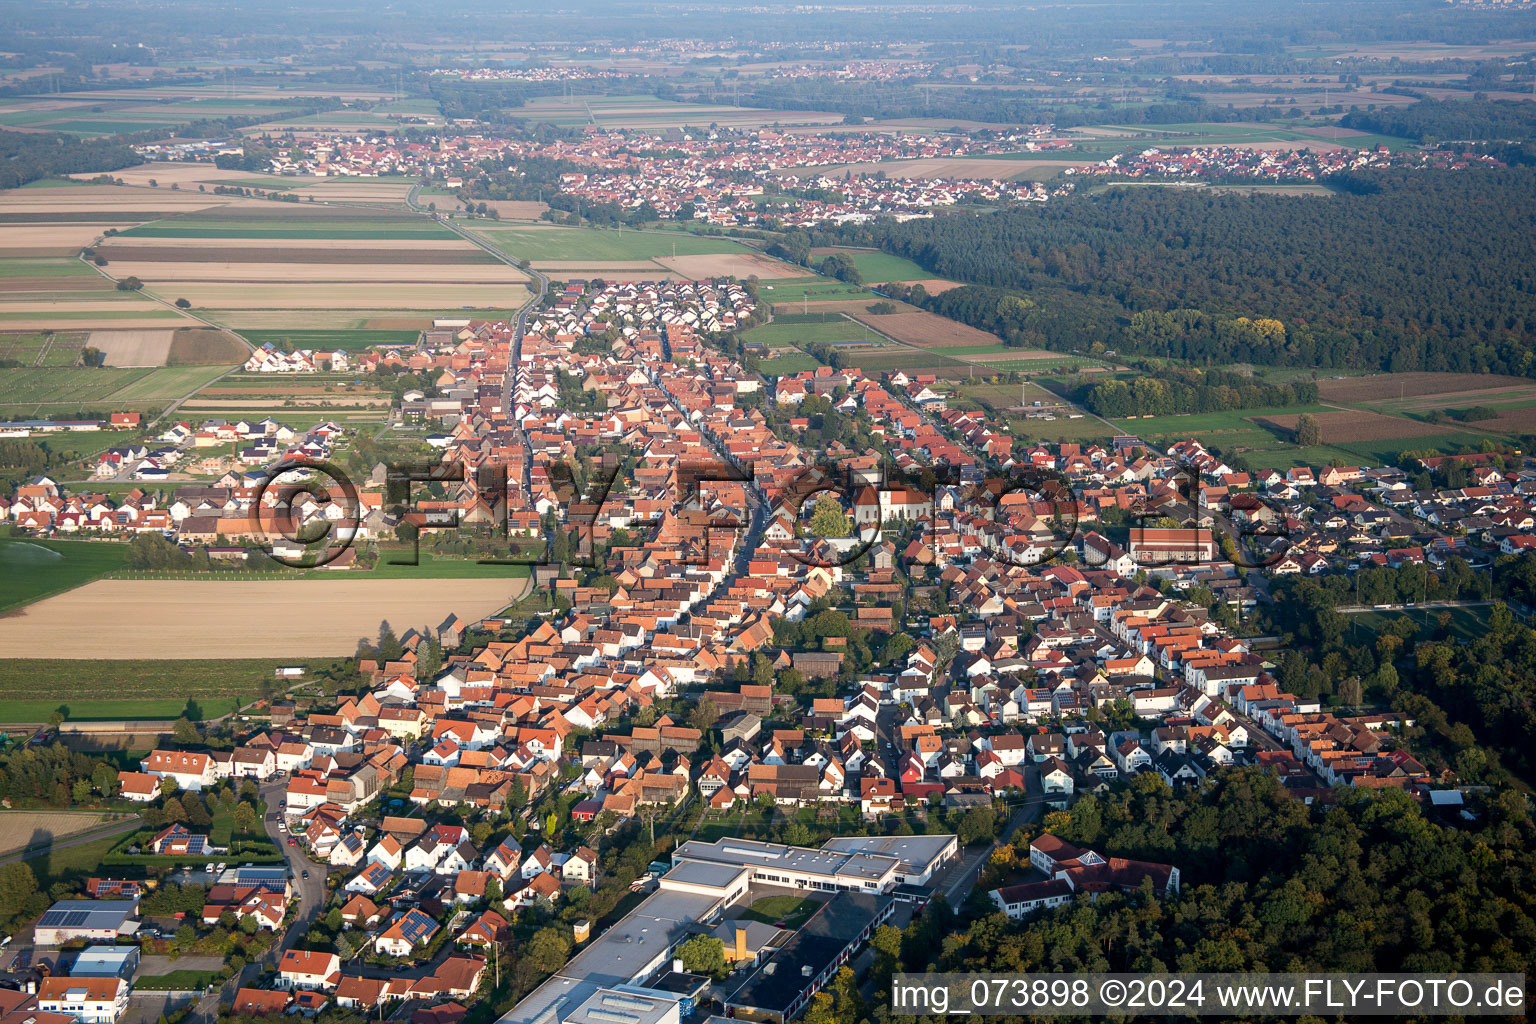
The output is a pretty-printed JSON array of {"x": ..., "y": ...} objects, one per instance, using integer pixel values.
[{"x": 802, "y": 640}]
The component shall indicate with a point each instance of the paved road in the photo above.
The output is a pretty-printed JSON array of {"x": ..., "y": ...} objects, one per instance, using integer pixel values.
[{"x": 310, "y": 893}]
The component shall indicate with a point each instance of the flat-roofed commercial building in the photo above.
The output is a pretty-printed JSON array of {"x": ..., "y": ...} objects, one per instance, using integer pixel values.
[
  {"x": 785, "y": 982},
  {"x": 918, "y": 857},
  {"x": 853, "y": 864},
  {"x": 68, "y": 920},
  {"x": 629, "y": 952},
  {"x": 626, "y": 1004},
  {"x": 796, "y": 867}
]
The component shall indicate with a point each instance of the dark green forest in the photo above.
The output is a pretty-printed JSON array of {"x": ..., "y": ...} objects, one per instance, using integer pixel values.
[
  {"x": 1270, "y": 883},
  {"x": 1446, "y": 120},
  {"x": 1387, "y": 274}
]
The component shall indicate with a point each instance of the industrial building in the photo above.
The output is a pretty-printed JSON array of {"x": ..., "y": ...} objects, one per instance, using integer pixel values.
[
  {"x": 69, "y": 920},
  {"x": 785, "y": 982},
  {"x": 859, "y": 875}
]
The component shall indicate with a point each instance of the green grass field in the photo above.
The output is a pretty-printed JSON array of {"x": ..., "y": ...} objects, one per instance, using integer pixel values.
[
  {"x": 777, "y": 335},
  {"x": 33, "y": 688},
  {"x": 1466, "y": 623},
  {"x": 73, "y": 862},
  {"x": 783, "y": 366},
  {"x": 37, "y": 569},
  {"x": 56, "y": 389},
  {"x": 792, "y": 910},
  {"x": 814, "y": 289},
  {"x": 1208, "y": 423},
  {"x": 600, "y": 245},
  {"x": 44, "y": 268},
  {"x": 880, "y": 267},
  {"x": 344, "y": 339}
]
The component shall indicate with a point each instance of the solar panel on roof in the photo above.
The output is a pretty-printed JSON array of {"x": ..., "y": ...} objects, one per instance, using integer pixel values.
[
  {"x": 75, "y": 918},
  {"x": 51, "y": 919}
]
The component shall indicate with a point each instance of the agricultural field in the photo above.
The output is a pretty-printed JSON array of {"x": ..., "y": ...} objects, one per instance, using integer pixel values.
[
  {"x": 833, "y": 330},
  {"x": 22, "y": 829},
  {"x": 786, "y": 294},
  {"x": 29, "y": 393},
  {"x": 190, "y": 618},
  {"x": 271, "y": 267},
  {"x": 1434, "y": 389},
  {"x": 89, "y": 115},
  {"x": 883, "y": 268},
  {"x": 137, "y": 689},
  {"x": 575, "y": 253},
  {"x": 651, "y": 112},
  {"x": 348, "y": 340},
  {"x": 922, "y": 329},
  {"x": 40, "y": 349},
  {"x": 1346, "y": 426},
  {"x": 36, "y": 569}
]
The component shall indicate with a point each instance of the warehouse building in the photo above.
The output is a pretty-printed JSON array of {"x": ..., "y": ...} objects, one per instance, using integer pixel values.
[{"x": 69, "y": 920}]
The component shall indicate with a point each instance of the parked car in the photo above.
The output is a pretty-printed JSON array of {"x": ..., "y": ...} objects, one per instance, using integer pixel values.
[
  {"x": 306, "y": 872},
  {"x": 292, "y": 841}
]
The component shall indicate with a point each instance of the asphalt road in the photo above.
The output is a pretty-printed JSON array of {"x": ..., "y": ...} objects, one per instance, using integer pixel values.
[{"x": 310, "y": 893}]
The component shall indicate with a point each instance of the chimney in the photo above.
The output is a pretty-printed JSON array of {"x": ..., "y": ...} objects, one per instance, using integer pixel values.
[{"x": 741, "y": 943}]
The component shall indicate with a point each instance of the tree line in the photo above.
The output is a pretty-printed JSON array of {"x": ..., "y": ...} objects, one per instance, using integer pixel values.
[
  {"x": 1162, "y": 392},
  {"x": 1401, "y": 271}
]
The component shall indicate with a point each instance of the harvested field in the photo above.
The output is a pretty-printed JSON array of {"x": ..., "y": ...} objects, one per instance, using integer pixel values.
[
  {"x": 932, "y": 285},
  {"x": 728, "y": 265},
  {"x": 178, "y": 619},
  {"x": 204, "y": 346},
  {"x": 514, "y": 209},
  {"x": 155, "y": 271},
  {"x": 1511, "y": 421},
  {"x": 86, "y": 322},
  {"x": 240, "y": 246},
  {"x": 928, "y": 330},
  {"x": 133, "y": 348},
  {"x": 22, "y": 829},
  {"x": 588, "y": 268},
  {"x": 1350, "y": 425},
  {"x": 958, "y": 167},
  {"x": 336, "y": 295},
  {"x": 1385, "y": 386}
]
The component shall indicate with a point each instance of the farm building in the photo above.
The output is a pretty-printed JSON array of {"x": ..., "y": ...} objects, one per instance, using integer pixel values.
[{"x": 68, "y": 920}]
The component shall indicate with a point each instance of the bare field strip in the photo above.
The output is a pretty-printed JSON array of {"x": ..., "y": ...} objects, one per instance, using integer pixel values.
[
  {"x": 184, "y": 174},
  {"x": 1350, "y": 425},
  {"x": 932, "y": 285},
  {"x": 63, "y": 237},
  {"x": 1510, "y": 421},
  {"x": 154, "y": 272},
  {"x": 112, "y": 301},
  {"x": 133, "y": 348},
  {"x": 464, "y": 256},
  {"x": 956, "y": 167},
  {"x": 1381, "y": 387},
  {"x": 737, "y": 265},
  {"x": 928, "y": 330},
  {"x": 343, "y": 296},
  {"x": 22, "y": 829},
  {"x": 238, "y": 245},
  {"x": 179, "y": 619},
  {"x": 66, "y": 322}
]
